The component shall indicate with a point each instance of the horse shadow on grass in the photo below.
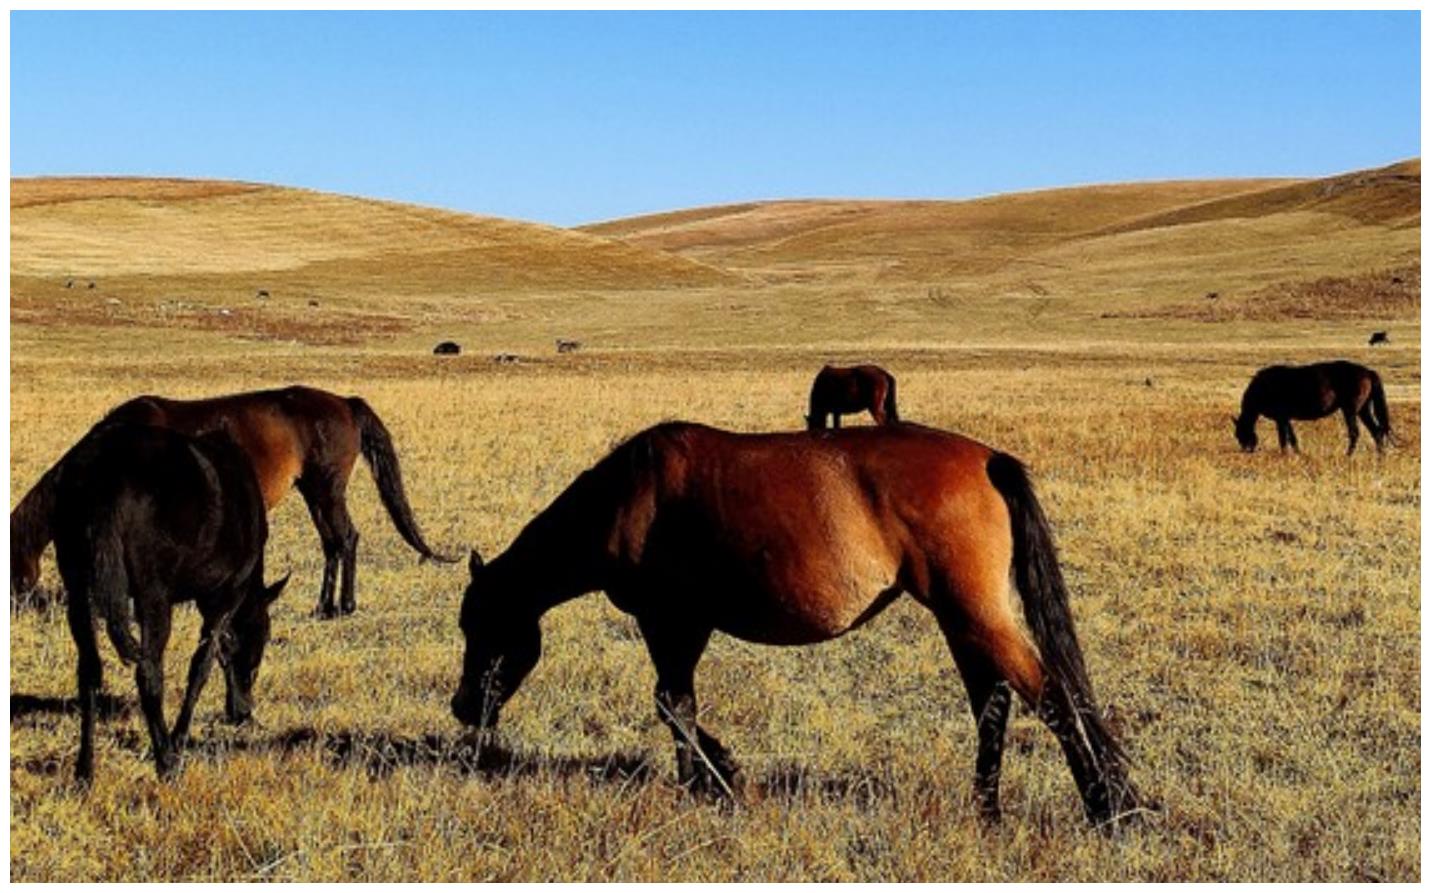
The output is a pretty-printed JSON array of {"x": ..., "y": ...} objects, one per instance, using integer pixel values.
[
  {"x": 107, "y": 706},
  {"x": 380, "y": 754}
]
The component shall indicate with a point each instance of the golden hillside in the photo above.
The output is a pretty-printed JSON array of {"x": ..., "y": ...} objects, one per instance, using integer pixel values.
[
  {"x": 927, "y": 240},
  {"x": 123, "y": 226},
  {"x": 1057, "y": 264}
]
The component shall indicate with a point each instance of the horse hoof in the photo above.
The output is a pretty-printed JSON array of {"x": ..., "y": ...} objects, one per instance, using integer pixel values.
[{"x": 84, "y": 779}]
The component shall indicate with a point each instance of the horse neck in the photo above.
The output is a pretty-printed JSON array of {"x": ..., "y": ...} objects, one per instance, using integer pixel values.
[
  {"x": 1251, "y": 405},
  {"x": 557, "y": 557},
  {"x": 30, "y": 522}
]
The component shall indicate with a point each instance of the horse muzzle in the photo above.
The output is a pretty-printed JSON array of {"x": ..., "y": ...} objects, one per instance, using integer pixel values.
[{"x": 471, "y": 711}]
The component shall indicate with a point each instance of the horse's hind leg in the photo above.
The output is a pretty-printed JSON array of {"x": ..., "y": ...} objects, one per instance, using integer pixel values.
[
  {"x": 1378, "y": 434},
  {"x": 348, "y": 542},
  {"x": 90, "y": 673},
  {"x": 1353, "y": 433},
  {"x": 989, "y": 699},
  {"x": 985, "y": 628},
  {"x": 325, "y": 495},
  {"x": 878, "y": 399},
  {"x": 702, "y": 763},
  {"x": 149, "y": 676}
]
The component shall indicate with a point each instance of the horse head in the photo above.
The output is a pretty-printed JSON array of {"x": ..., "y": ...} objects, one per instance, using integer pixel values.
[{"x": 504, "y": 642}]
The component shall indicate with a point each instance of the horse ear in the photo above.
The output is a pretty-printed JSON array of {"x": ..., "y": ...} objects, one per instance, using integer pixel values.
[
  {"x": 271, "y": 593},
  {"x": 474, "y": 563}
]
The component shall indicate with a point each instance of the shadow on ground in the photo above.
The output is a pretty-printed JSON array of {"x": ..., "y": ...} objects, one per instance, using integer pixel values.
[{"x": 380, "y": 754}]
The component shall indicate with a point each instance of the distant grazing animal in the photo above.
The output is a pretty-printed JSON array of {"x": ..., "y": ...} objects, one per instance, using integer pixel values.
[
  {"x": 312, "y": 303},
  {"x": 506, "y": 359},
  {"x": 1379, "y": 338},
  {"x": 794, "y": 539},
  {"x": 145, "y": 518},
  {"x": 839, "y": 390},
  {"x": 69, "y": 283},
  {"x": 91, "y": 285},
  {"x": 262, "y": 293},
  {"x": 1283, "y": 393},
  {"x": 565, "y": 346},
  {"x": 448, "y": 347},
  {"x": 294, "y": 436}
]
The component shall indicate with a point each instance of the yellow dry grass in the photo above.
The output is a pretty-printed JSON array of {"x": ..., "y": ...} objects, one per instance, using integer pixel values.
[{"x": 1252, "y": 623}]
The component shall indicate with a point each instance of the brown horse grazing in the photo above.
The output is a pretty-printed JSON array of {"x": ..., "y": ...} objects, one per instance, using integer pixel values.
[
  {"x": 792, "y": 539},
  {"x": 145, "y": 518},
  {"x": 1283, "y": 393},
  {"x": 838, "y": 390},
  {"x": 294, "y": 436}
]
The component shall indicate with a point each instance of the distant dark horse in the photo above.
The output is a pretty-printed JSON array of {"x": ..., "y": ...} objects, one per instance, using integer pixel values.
[
  {"x": 793, "y": 539},
  {"x": 293, "y": 436},
  {"x": 144, "y": 518},
  {"x": 1283, "y": 393},
  {"x": 838, "y": 390}
]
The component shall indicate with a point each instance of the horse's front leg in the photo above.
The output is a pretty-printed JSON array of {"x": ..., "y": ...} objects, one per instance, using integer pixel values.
[
  {"x": 702, "y": 763},
  {"x": 1284, "y": 432}
]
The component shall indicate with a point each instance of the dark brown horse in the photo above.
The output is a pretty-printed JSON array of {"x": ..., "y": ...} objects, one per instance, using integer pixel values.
[
  {"x": 839, "y": 390},
  {"x": 145, "y": 518},
  {"x": 1283, "y": 393},
  {"x": 792, "y": 539},
  {"x": 294, "y": 436}
]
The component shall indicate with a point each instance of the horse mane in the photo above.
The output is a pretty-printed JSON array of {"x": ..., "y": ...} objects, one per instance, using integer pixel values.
[{"x": 577, "y": 525}]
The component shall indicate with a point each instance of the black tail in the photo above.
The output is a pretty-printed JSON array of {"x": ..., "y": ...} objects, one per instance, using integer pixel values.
[
  {"x": 108, "y": 589},
  {"x": 377, "y": 447},
  {"x": 1045, "y": 599},
  {"x": 1378, "y": 406},
  {"x": 891, "y": 410}
]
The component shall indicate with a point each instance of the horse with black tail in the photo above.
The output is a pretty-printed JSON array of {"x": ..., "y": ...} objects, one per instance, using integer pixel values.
[
  {"x": 839, "y": 391},
  {"x": 794, "y": 539},
  {"x": 294, "y": 436},
  {"x": 145, "y": 518},
  {"x": 1284, "y": 393}
]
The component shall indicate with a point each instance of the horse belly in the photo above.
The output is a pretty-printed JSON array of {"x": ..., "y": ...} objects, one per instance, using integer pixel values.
[{"x": 800, "y": 598}]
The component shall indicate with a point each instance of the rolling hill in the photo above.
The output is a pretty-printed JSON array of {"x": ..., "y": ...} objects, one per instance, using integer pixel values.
[
  {"x": 929, "y": 239},
  {"x": 181, "y": 254},
  {"x": 125, "y": 226}
]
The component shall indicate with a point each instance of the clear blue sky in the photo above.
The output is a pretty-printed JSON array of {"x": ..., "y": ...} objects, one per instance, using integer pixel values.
[{"x": 568, "y": 118}]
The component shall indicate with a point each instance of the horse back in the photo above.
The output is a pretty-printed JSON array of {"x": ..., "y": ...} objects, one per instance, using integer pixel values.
[
  {"x": 1311, "y": 391},
  {"x": 797, "y": 537},
  {"x": 186, "y": 510},
  {"x": 282, "y": 431}
]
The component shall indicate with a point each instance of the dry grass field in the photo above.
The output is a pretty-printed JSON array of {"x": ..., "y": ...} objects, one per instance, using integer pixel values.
[{"x": 1251, "y": 621}]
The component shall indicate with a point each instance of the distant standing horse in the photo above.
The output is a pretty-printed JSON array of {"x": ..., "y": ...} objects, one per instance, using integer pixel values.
[
  {"x": 1283, "y": 393},
  {"x": 145, "y": 518},
  {"x": 793, "y": 539},
  {"x": 294, "y": 436},
  {"x": 838, "y": 390}
]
